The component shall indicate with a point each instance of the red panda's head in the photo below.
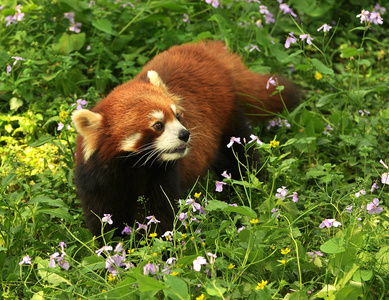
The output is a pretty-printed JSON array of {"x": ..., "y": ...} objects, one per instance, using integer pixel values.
[{"x": 135, "y": 118}]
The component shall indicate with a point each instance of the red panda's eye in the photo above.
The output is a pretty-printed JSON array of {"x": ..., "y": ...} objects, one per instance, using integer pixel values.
[
  {"x": 158, "y": 126},
  {"x": 178, "y": 116}
]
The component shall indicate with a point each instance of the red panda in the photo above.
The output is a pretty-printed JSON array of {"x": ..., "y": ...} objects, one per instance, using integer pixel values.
[{"x": 153, "y": 136}]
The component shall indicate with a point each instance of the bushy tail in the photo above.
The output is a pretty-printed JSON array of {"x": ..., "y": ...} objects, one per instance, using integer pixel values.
[{"x": 253, "y": 89}]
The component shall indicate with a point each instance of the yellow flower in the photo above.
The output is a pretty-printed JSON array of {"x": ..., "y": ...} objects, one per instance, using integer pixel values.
[
  {"x": 261, "y": 285},
  {"x": 184, "y": 236},
  {"x": 131, "y": 250},
  {"x": 283, "y": 261},
  {"x": 111, "y": 277},
  {"x": 274, "y": 144},
  {"x": 63, "y": 115},
  {"x": 201, "y": 297},
  {"x": 318, "y": 76},
  {"x": 285, "y": 251},
  {"x": 155, "y": 253},
  {"x": 153, "y": 235},
  {"x": 103, "y": 291},
  {"x": 197, "y": 195},
  {"x": 254, "y": 221},
  {"x": 174, "y": 273},
  {"x": 272, "y": 247},
  {"x": 231, "y": 266}
]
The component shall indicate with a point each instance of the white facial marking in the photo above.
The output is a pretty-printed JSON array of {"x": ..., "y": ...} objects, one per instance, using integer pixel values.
[
  {"x": 168, "y": 142},
  {"x": 158, "y": 114},
  {"x": 128, "y": 144},
  {"x": 174, "y": 108}
]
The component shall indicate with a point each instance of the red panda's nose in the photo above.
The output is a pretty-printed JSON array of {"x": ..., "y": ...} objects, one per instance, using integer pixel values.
[{"x": 183, "y": 135}]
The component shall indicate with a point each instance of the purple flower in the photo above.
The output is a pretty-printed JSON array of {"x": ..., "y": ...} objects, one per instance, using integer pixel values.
[
  {"x": 263, "y": 10},
  {"x": 114, "y": 262},
  {"x": 327, "y": 129},
  {"x": 255, "y": 138},
  {"x": 80, "y": 104},
  {"x": 53, "y": 257},
  {"x": 374, "y": 187},
  {"x": 60, "y": 126},
  {"x": 294, "y": 197},
  {"x": 219, "y": 186},
  {"x": 281, "y": 192},
  {"x": 241, "y": 228},
  {"x": 150, "y": 269},
  {"x": 385, "y": 178},
  {"x": 325, "y": 27},
  {"x": 383, "y": 163},
  {"x": 70, "y": 16},
  {"x": 152, "y": 219},
  {"x": 287, "y": 10},
  {"x": 314, "y": 253},
  {"x": 104, "y": 248},
  {"x": 62, "y": 245},
  {"x": 274, "y": 212},
  {"x": 194, "y": 204},
  {"x": 375, "y": 18},
  {"x": 182, "y": 216},
  {"x": 141, "y": 226},
  {"x": 186, "y": 18},
  {"x": 25, "y": 260},
  {"x": 308, "y": 37},
  {"x": 364, "y": 16},
  {"x": 9, "y": 69},
  {"x": 107, "y": 219},
  {"x": 212, "y": 257},
  {"x": 198, "y": 262},
  {"x": 127, "y": 230},
  {"x": 349, "y": 208},
  {"x": 254, "y": 47},
  {"x": 233, "y": 140},
  {"x": 75, "y": 27},
  {"x": 361, "y": 192},
  {"x": 363, "y": 112},
  {"x": 168, "y": 235},
  {"x": 291, "y": 39},
  {"x": 379, "y": 8},
  {"x": 373, "y": 207},
  {"x": 171, "y": 260},
  {"x": 9, "y": 19},
  {"x": 329, "y": 223},
  {"x": 271, "y": 81},
  {"x": 215, "y": 3},
  {"x": 17, "y": 58},
  {"x": 225, "y": 175}
]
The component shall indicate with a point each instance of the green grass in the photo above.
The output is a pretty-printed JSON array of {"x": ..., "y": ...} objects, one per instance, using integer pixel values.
[{"x": 259, "y": 254}]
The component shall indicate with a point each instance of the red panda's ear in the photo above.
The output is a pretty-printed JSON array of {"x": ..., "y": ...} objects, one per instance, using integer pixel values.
[
  {"x": 88, "y": 125},
  {"x": 157, "y": 81}
]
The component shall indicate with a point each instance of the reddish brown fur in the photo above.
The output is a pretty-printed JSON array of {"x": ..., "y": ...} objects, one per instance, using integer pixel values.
[{"x": 210, "y": 83}]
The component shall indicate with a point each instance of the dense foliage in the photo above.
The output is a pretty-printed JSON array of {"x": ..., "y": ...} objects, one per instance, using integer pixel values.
[{"x": 310, "y": 222}]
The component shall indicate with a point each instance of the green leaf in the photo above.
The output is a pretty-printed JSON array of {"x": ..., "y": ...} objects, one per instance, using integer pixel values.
[
  {"x": 103, "y": 25},
  {"x": 323, "y": 69},
  {"x": 214, "y": 289},
  {"x": 48, "y": 200},
  {"x": 243, "y": 210},
  {"x": 69, "y": 43},
  {"x": 15, "y": 103},
  {"x": 44, "y": 139},
  {"x": 215, "y": 205},
  {"x": 335, "y": 245},
  {"x": 348, "y": 52},
  {"x": 326, "y": 99},
  {"x": 61, "y": 213},
  {"x": 177, "y": 288},
  {"x": 45, "y": 272},
  {"x": 91, "y": 263},
  {"x": 146, "y": 284}
]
